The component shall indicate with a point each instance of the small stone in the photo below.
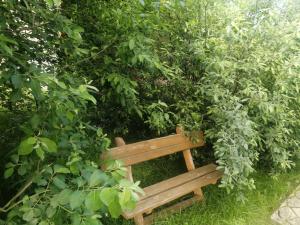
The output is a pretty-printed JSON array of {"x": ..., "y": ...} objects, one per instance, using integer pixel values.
[
  {"x": 289, "y": 211},
  {"x": 286, "y": 213}
]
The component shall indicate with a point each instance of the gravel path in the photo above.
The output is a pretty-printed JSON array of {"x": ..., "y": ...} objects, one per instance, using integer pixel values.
[{"x": 289, "y": 211}]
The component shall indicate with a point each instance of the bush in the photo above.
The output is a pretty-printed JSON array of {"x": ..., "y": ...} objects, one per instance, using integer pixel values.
[
  {"x": 58, "y": 180},
  {"x": 229, "y": 68}
]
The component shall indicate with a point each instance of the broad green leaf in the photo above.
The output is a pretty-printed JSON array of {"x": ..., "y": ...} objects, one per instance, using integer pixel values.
[
  {"x": 126, "y": 200},
  {"x": 35, "y": 86},
  {"x": 125, "y": 183},
  {"x": 40, "y": 153},
  {"x": 114, "y": 209},
  {"x": 58, "y": 182},
  {"x": 77, "y": 199},
  {"x": 35, "y": 121},
  {"x": 44, "y": 222},
  {"x": 49, "y": 145},
  {"x": 50, "y": 211},
  {"x": 76, "y": 219},
  {"x": 64, "y": 196},
  {"x": 22, "y": 170},
  {"x": 26, "y": 146},
  {"x": 86, "y": 95},
  {"x": 60, "y": 169},
  {"x": 15, "y": 158},
  {"x": 124, "y": 197},
  {"x": 92, "y": 221},
  {"x": 8, "y": 172},
  {"x": 97, "y": 178},
  {"x": 7, "y": 165},
  {"x": 108, "y": 195},
  {"x": 93, "y": 201},
  {"x": 29, "y": 215}
]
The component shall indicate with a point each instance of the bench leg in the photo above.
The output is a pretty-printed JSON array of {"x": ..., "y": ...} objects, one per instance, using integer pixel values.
[
  {"x": 199, "y": 193},
  {"x": 139, "y": 219}
]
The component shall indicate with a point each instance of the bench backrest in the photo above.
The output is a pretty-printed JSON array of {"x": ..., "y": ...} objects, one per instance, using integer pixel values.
[{"x": 131, "y": 154}]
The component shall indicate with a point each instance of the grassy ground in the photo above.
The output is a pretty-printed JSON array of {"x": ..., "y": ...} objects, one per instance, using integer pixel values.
[{"x": 221, "y": 208}]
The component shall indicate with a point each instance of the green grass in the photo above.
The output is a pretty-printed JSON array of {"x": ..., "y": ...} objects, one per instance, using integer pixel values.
[{"x": 219, "y": 207}]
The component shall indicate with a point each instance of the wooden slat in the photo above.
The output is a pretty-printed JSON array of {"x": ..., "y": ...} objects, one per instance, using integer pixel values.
[
  {"x": 176, "y": 181},
  {"x": 172, "y": 194},
  {"x": 171, "y": 209},
  {"x": 145, "y": 150}
]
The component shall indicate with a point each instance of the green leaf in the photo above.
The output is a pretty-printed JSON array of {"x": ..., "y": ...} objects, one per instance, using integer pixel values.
[
  {"x": 50, "y": 212},
  {"x": 49, "y": 3},
  {"x": 108, "y": 195},
  {"x": 125, "y": 198},
  {"x": 76, "y": 199},
  {"x": 7, "y": 165},
  {"x": 40, "y": 153},
  {"x": 131, "y": 44},
  {"x": 64, "y": 196},
  {"x": 49, "y": 145},
  {"x": 22, "y": 170},
  {"x": 26, "y": 146},
  {"x": 83, "y": 93},
  {"x": 76, "y": 219},
  {"x": 35, "y": 86},
  {"x": 61, "y": 169},
  {"x": 93, "y": 201},
  {"x": 44, "y": 222},
  {"x": 29, "y": 215},
  {"x": 57, "y": 3},
  {"x": 97, "y": 178},
  {"x": 8, "y": 172},
  {"x": 58, "y": 182},
  {"x": 114, "y": 209},
  {"x": 92, "y": 221},
  {"x": 35, "y": 121}
]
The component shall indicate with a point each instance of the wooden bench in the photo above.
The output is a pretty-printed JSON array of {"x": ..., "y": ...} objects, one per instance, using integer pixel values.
[{"x": 168, "y": 190}]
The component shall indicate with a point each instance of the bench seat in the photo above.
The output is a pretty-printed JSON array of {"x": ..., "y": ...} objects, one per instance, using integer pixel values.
[{"x": 173, "y": 188}]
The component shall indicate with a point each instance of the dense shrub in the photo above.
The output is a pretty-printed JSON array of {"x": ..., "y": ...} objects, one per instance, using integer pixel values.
[
  {"x": 53, "y": 177},
  {"x": 230, "y": 68}
]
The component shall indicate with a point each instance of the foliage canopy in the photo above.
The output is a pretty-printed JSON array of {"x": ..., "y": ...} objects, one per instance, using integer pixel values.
[{"x": 73, "y": 71}]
